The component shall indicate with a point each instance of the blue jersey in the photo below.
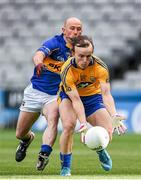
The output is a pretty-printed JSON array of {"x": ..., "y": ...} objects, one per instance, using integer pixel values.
[{"x": 56, "y": 53}]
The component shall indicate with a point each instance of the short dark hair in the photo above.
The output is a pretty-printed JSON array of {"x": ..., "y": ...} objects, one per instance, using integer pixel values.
[{"x": 82, "y": 41}]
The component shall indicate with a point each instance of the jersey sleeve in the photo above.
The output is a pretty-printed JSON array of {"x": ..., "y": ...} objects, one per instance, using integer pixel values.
[
  {"x": 104, "y": 75},
  {"x": 68, "y": 80},
  {"x": 49, "y": 46}
]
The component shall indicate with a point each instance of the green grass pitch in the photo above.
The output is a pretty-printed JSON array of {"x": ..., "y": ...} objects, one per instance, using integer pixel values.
[{"x": 124, "y": 150}]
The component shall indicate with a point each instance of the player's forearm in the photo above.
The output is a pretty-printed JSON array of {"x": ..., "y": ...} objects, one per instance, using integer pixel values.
[
  {"x": 79, "y": 110},
  {"x": 109, "y": 104},
  {"x": 38, "y": 58}
]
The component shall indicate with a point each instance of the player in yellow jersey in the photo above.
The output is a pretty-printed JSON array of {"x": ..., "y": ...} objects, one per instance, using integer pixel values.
[{"x": 85, "y": 95}]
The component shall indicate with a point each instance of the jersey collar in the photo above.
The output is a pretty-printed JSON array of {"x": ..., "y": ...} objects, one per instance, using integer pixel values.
[
  {"x": 73, "y": 62},
  {"x": 68, "y": 45}
]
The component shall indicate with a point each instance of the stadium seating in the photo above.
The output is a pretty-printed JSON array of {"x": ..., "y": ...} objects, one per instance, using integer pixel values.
[{"x": 25, "y": 24}]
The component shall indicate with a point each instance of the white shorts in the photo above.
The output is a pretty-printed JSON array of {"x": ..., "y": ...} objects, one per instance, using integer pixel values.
[{"x": 34, "y": 100}]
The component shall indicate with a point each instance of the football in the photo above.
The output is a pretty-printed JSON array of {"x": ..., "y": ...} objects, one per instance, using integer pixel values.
[{"x": 97, "y": 138}]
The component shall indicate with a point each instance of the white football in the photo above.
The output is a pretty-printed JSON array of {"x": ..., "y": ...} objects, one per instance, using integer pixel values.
[{"x": 97, "y": 138}]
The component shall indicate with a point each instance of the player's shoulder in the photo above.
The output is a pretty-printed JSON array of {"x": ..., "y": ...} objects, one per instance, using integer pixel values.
[
  {"x": 59, "y": 40},
  {"x": 51, "y": 39},
  {"x": 66, "y": 66},
  {"x": 56, "y": 40},
  {"x": 66, "y": 69},
  {"x": 99, "y": 62}
]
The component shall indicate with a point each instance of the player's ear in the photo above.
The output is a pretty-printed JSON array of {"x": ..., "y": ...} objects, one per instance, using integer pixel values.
[{"x": 63, "y": 30}]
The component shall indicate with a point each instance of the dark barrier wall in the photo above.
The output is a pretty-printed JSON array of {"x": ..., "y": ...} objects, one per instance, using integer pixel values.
[
  {"x": 128, "y": 103},
  {"x": 9, "y": 104}
]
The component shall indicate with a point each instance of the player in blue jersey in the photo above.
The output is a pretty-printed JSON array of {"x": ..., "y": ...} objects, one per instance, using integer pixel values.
[{"x": 41, "y": 95}]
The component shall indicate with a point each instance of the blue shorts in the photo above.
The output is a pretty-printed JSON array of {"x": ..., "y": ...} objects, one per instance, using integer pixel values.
[{"x": 91, "y": 103}]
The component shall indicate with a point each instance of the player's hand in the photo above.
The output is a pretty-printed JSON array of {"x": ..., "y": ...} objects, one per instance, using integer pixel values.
[
  {"x": 83, "y": 129},
  {"x": 40, "y": 68},
  {"x": 118, "y": 125}
]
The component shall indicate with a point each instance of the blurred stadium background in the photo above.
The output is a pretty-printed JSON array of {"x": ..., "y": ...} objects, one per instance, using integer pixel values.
[{"x": 114, "y": 25}]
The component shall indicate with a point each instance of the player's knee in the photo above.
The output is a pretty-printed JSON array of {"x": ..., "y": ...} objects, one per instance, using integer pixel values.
[
  {"x": 19, "y": 134},
  {"x": 53, "y": 122},
  {"x": 53, "y": 117},
  {"x": 69, "y": 128},
  {"x": 53, "y": 127}
]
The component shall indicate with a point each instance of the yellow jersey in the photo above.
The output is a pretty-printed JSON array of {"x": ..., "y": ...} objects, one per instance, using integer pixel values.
[{"x": 86, "y": 81}]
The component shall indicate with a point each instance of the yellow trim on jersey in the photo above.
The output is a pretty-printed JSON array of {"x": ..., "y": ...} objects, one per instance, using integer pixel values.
[
  {"x": 64, "y": 73},
  {"x": 53, "y": 65},
  {"x": 99, "y": 61}
]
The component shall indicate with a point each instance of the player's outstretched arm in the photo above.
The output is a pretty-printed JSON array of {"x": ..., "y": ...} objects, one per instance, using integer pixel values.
[
  {"x": 38, "y": 61},
  {"x": 109, "y": 103}
]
